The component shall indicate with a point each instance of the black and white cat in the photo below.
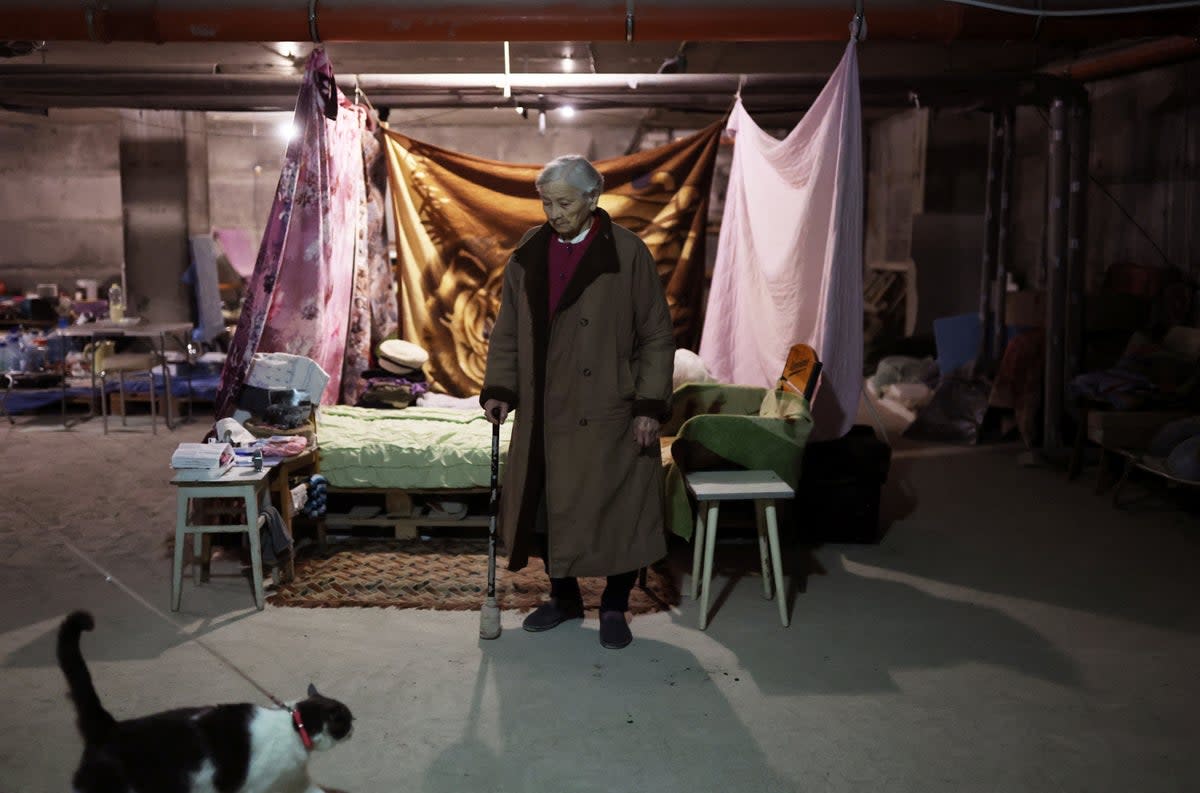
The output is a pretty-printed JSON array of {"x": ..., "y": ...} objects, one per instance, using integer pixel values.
[{"x": 238, "y": 748}]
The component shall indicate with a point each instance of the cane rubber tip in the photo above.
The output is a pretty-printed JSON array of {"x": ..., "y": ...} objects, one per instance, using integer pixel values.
[{"x": 489, "y": 621}]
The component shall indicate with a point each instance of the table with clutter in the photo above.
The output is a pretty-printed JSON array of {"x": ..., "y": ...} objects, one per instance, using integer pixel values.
[
  {"x": 222, "y": 488},
  {"x": 130, "y": 327},
  {"x": 39, "y": 369}
]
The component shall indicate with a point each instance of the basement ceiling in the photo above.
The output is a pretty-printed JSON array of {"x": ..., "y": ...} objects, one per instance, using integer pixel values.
[{"x": 678, "y": 81}]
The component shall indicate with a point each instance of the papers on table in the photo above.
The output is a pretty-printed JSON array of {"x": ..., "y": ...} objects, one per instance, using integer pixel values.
[{"x": 200, "y": 461}]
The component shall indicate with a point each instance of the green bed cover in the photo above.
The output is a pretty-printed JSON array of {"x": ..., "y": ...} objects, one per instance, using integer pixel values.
[{"x": 410, "y": 449}]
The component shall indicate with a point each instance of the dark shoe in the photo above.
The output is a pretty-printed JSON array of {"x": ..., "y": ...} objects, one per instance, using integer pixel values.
[
  {"x": 553, "y": 613},
  {"x": 614, "y": 630}
]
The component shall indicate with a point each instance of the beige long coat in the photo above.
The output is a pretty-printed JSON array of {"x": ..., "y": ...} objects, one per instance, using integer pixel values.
[{"x": 576, "y": 381}]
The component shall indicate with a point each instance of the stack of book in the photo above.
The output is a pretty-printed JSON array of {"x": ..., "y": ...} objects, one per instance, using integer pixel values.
[{"x": 198, "y": 462}]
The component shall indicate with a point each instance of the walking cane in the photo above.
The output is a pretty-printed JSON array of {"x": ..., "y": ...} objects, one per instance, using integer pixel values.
[{"x": 489, "y": 615}]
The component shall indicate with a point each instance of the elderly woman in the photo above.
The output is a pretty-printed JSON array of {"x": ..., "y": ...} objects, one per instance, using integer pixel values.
[{"x": 582, "y": 348}]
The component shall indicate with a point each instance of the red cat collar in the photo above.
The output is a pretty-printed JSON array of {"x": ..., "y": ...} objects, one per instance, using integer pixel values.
[{"x": 308, "y": 744}]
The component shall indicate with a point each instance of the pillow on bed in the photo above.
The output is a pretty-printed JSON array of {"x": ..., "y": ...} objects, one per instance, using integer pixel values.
[
  {"x": 689, "y": 368},
  {"x": 432, "y": 400}
]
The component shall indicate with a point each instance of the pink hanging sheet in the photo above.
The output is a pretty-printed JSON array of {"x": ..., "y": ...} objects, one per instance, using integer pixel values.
[
  {"x": 789, "y": 256},
  {"x": 238, "y": 247},
  {"x": 298, "y": 299}
]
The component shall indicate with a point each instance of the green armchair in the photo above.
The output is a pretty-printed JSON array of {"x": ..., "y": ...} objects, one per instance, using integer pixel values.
[{"x": 720, "y": 426}]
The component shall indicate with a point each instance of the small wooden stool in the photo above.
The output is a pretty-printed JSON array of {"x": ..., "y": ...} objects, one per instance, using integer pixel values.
[
  {"x": 711, "y": 488},
  {"x": 237, "y": 482}
]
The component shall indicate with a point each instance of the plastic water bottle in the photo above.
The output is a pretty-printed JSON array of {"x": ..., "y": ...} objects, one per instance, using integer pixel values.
[
  {"x": 16, "y": 352},
  {"x": 116, "y": 303},
  {"x": 56, "y": 344},
  {"x": 24, "y": 343},
  {"x": 35, "y": 353}
]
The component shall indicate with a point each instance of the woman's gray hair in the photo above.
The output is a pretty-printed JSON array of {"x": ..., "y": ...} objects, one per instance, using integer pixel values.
[{"x": 575, "y": 170}]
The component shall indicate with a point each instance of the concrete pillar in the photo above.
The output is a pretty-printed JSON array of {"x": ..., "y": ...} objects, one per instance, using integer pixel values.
[
  {"x": 154, "y": 193},
  {"x": 991, "y": 218},
  {"x": 1078, "y": 137},
  {"x": 1008, "y": 128},
  {"x": 1056, "y": 278},
  {"x": 195, "y": 125}
]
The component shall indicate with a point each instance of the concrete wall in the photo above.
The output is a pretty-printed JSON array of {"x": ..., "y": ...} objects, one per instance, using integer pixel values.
[
  {"x": 1028, "y": 251},
  {"x": 154, "y": 192},
  {"x": 1144, "y": 162},
  {"x": 925, "y": 198},
  {"x": 895, "y": 184},
  {"x": 244, "y": 162},
  {"x": 60, "y": 198},
  {"x": 1145, "y": 154},
  {"x": 946, "y": 248}
]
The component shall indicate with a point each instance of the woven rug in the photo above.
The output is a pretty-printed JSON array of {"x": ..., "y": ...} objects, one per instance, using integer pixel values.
[{"x": 445, "y": 575}]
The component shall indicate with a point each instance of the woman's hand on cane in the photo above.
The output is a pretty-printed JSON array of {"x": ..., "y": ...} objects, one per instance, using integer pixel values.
[{"x": 495, "y": 410}]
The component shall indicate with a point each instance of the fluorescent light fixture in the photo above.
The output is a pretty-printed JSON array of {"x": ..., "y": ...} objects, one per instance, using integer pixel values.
[
  {"x": 507, "y": 73},
  {"x": 541, "y": 122}
]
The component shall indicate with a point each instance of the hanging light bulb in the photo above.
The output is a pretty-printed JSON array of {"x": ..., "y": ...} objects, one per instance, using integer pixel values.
[
  {"x": 541, "y": 122},
  {"x": 567, "y": 111},
  {"x": 287, "y": 131},
  {"x": 568, "y": 65}
]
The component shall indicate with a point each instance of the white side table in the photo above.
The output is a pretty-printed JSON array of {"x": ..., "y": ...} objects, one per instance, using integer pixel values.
[
  {"x": 237, "y": 482},
  {"x": 711, "y": 488}
]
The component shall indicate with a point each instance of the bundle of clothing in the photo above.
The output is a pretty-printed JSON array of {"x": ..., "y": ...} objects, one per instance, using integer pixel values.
[
  {"x": 1151, "y": 373},
  {"x": 385, "y": 390},
  {"x": 280, "y": 394},
  {"x": 399, "y": 379}
]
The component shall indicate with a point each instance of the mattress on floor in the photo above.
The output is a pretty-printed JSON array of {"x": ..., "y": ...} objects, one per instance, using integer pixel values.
[{"x": 410, "y": 449}]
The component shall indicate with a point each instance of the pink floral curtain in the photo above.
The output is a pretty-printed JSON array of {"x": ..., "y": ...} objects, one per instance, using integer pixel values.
[
  {"x": 374, "y": 314},
  {"x": 298, "y": 300}
]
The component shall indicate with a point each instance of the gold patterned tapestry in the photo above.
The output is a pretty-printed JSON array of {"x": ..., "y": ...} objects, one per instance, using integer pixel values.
[{"x": 458, "y": 218}]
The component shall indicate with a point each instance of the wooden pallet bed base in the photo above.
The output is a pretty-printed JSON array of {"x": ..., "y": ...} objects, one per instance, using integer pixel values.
[{"x": 398, "y": 511}]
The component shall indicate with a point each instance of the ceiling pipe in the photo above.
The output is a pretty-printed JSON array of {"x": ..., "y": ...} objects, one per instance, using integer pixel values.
[
  {"x": 1135, "y": 58},
  {"x": 593, "y": 20},
  {"x": 26, "y": 86}
]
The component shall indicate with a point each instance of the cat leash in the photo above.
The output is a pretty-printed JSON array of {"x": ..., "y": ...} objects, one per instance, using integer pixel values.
[
  {"x": 297, "y": 721},
  {"x": 112, "y": 579}
]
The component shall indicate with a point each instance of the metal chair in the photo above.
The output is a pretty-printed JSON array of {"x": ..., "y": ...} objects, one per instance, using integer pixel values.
[{"x": 122, "y": 364}]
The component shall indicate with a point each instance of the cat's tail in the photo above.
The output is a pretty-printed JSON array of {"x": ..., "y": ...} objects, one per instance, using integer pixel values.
[{"x": 94, "y": 721}]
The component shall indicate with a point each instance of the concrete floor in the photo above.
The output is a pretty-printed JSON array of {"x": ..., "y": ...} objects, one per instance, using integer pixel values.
[{"x": 1013, "y": 632}]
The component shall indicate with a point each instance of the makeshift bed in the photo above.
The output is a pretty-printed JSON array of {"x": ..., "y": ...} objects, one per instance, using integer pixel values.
[
  {"x": 418, "y": 452},
  {"x": 17, "y": 399}
]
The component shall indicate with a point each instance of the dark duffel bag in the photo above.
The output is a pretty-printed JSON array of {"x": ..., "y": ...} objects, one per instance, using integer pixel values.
[{"x": 840, "y": 487}]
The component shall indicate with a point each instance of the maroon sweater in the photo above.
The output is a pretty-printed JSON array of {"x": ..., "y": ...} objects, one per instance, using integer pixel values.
[{"x": 563, "y": 260}]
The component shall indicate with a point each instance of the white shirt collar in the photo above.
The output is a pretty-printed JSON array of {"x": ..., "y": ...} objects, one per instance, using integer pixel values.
[{"x": 578, "y": 237}]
